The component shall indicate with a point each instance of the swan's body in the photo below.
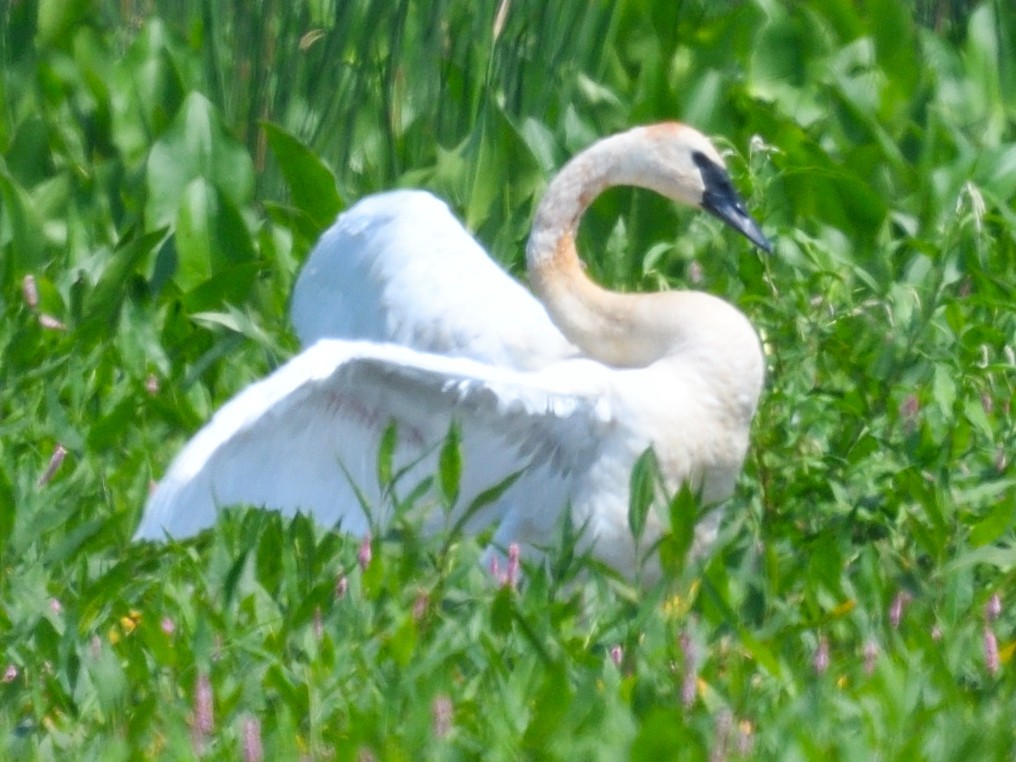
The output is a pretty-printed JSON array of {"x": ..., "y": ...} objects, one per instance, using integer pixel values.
[{"x": 677, "y": 371}]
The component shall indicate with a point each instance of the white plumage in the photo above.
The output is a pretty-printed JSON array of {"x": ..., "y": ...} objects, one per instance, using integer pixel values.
[
  {"x": 407, "y": 321},
  {"x": 398, "y": 267}
]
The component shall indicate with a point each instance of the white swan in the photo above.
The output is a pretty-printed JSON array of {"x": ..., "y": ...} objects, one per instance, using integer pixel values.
[{"x": 679, "y": 371}]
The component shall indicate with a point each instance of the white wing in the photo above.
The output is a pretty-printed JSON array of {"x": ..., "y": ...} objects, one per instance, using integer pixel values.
[
  {"x": 398, "y": 267},
  {"x": 306, "y": 439}
]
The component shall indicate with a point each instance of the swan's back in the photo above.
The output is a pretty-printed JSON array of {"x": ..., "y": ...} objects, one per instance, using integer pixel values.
[{"x": 398, "y": 267}]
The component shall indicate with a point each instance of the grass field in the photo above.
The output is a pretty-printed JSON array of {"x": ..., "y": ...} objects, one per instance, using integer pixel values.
[{"x": 165, "y": 167}]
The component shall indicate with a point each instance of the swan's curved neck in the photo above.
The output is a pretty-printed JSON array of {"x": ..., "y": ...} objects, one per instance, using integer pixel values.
[{"x": 608, "y": 326}]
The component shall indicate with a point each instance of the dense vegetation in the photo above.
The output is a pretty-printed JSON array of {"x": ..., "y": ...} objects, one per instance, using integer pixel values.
[{"x": 165, "y": 167}]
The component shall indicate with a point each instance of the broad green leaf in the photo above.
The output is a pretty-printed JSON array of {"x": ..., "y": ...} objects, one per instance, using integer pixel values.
[
  {"x": 214, "y": 249},
  {"x": 500, "y": 146},
  {"x": 1000, "y": 556},
  {"x": 195, "y": 146},
  {"x": 943, "y": 389},
  {"x": 311, "y": 183},
  {"x": 991, "y": 527},
  {"x": 154, "y": 80},
  {"x": 502, "y": 611},
  {"x": 57, "y": 19},
  {"x": 21, "y": 231}
]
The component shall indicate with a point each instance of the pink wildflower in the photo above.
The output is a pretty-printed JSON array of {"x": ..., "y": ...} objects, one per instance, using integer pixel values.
[
  {"x": 253, "y": 751},
  {"x": 724, "y": 724},
  {"x": 870, "y": 656},
  {"x": 420, "y": 604},
  {"x": 821, "y": 659},
  {"x": 510, "y": 577},
  {"x": 51, "y": 323},
  {"x": 204, "y": 717},
  {"x": 910, "y": 407},
  {"x": 443, "y": 713},
  {"x": 365, "y": 553},
  {"x": 689, "y": 683},
  {"x": 514, "y": 567},
  {"x": 991, "y": 659},
  {"x": 30, "y": 291},
  {"x": 993, "y": 608},
  {"x": 55, "y": 460},
  {"x": 896, "y": 609}
]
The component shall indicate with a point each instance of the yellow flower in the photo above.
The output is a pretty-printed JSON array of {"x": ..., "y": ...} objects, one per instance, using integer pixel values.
[
  {"x": 127, "y": 625},
  {"x": 678, "y": 605},
  {"x": 844, "y": 608}
]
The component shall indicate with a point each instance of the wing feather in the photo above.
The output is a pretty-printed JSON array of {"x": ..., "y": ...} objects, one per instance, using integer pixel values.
[
  {"x": 306, "y": 439},
  {"x": 398, "y": 267}
]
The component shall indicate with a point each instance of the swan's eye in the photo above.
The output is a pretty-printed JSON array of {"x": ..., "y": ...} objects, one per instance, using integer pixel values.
[{"x": 714, "y": 177}]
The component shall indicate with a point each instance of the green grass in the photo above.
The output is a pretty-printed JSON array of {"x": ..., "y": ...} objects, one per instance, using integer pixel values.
[{"x": 165, "y": 167}]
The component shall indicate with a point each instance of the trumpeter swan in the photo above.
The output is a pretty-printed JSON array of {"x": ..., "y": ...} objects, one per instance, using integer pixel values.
[{"x": 432, "y": 331}]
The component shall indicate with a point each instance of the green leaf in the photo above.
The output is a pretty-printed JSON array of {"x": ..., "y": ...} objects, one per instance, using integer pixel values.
[
  {"x": 485, "y": 498},
  {"x": 450, "y": 466},
  {"x": 401, "y": 645},
  {"x": 242, "y": 323},
  {"x": 683, "y": 512},
  {"x": 385, "y": 456},
  {"x": 499, "y": 145},
  {"x": 102, "y": 307},
  {"x": 662, "y": 735},
  {"x": 502, "y": 611},
  {"x": 20, "y": 229},
  {"x": 152, "y": 75},
  {"x": 216, "y": 261},
  {"x": 645, "y": 478},
  {"x": 943, "y": 389},
  {"x": 995, "y": 524},
  {"x": 58, "y": 18},
  {"x": 311, "y": 184},
  {"x": 491, "y": 494},
  {"x": 550, "y": 704},
  {"x": 373, "y": 578},
  {"x": 195, "y": 146}
]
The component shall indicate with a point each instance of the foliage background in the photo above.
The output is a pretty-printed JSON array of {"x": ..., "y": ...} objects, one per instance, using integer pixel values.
[{"x": 164, "y": 168}]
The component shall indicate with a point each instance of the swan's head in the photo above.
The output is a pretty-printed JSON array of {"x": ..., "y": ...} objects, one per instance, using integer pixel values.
[{"x": 679, "y": 162}]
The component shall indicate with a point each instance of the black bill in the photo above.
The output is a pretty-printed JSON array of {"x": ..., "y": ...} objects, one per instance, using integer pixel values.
[{"x": 722, "y": 201}]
